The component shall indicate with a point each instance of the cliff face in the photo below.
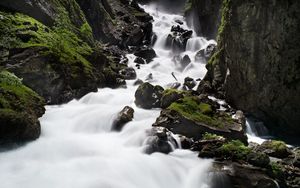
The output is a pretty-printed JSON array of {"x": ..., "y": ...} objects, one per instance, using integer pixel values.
[
  {"x": 64, "y": 49},
  {"x": 257, "y": 61}
]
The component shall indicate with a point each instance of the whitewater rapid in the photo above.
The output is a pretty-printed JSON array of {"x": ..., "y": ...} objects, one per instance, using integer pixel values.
[{"x": 77, "y": 148}]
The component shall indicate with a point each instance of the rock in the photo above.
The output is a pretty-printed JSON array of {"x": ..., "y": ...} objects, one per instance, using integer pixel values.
[
  {"x": 20, "y": 108},
  {"x": 159, "y": 140},
  {"x": 169, "y": 96},
  {"x": 147, "y": 53},
  {"x": 205, "y": 53},
  {"x": 189, "y": 83},
  {"x": 123, "y": 117},
  {"x": 185, "y": 61},
  {"x": 243, "y": 176},
  {"x": 274, "y": 148},
  {"x": 179, "y": 22},
  {"x": 148, "y": 96},
  {"x": 178, "y": 38},
  {"x": 185, "y": 142},
  {"x": 174, "y": 85},
  {"x": 138, "y": 82},
  {"x": 128, "y": 73},
  {"x": 139, "y": 60},
  {"x": 258, "y": 159},
  {"x": 239, "y": 77},
  {"x": 192, "y": 117}
]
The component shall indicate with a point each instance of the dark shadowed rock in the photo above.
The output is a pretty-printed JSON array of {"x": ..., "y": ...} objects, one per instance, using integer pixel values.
[
  {"x": 274, "y": 148},
  {"x": 185, "y": 61},
  {"x": 189, "y": 83},
  {"x": 146, "y": 53},
  {"x": 140, "y": 60},
  {"x": 169, "y": 96},
  {"x": 128, "y": 73},
  {"x": 148, "y": 96},
  {"x": 123, "y": 117},
  {"x": 159, "y": 140}
]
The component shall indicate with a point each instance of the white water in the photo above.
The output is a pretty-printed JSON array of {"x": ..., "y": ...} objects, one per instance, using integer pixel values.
[{"x": 77, "y": 149}]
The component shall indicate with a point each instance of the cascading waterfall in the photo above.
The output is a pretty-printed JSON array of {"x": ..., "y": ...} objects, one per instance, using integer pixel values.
[{"x": 78, "y": 149}]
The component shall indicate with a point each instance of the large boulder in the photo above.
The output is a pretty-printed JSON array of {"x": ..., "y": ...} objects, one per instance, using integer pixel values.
[
  {"x": 148, "y": 96},
  {"x": 20, "y": 108},
  {"x": 146, "y": 53},
  {"x": 274, "y": 148},
  {"x": 193, "y": 116}
]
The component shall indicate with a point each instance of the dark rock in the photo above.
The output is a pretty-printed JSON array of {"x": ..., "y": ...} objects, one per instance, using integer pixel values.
[
  {"x": 139, "y": 60},
  {"x": 179, "y": 22},
  {"x": 185, "y": 142},
  {"x": 185, "y": 62},
  {"x": 174, "y": 85},
  {"x": 192, "y": 118},
  {"x": 138, "y": 82},
  {"x": 147, "y": 53},
  {"x": 189, "y": 82},
  {"x": 277, "y": 105},
  {"x": 128, "y": 73},
  {"x": 178, "y": 38},
  {"x": 169, "y": 96},
  {"x": 20, "y": 108},
  {"x": 123, "y": 117},
  {"x": 274, "y": 148},
  {"x": 205, "y": 53},
  {"x": 258, "y": 159},
  {"x": 148, "y": 96},
  {"x": 244, "y": 176},
  {"x": 159, "y": 140}
]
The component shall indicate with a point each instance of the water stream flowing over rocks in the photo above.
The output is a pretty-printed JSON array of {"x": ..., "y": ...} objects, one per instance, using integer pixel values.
[{"x": 78, "y": 148}]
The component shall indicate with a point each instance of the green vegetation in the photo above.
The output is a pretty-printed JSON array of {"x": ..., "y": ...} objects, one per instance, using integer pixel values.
[
  {"x": 188, "y": 6},
  {"x": 276, "y": 169},
  {"x": 197, "y": 111},
  {"x": 14, "y": 95},
  {"x": 170, "y": 91},
  {"x": 209, "y": 136},
  {"x": 234, "y": 149},
  {"x": 21, "y": 31}
]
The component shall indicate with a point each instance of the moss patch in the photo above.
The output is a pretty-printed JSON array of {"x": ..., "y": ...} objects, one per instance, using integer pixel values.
[
  {"x": 197, "y": 111},
  {"x": 209, "y": 136},
  {"x": 234, "y": 149}
]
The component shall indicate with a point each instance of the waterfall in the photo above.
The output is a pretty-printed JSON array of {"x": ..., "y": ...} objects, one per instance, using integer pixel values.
[
  {"x": 256, "y": 131},
  {"x": 78, "y": 149}
]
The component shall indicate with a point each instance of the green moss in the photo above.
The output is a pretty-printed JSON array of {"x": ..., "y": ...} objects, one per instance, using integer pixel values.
[
  {"x": 234, "y": 149},
  {"x": 276, "y": 169},
  {"x": 188, "y": 6},
  {"x": 226, "y": 15},
  {"x": 278, "y": 146},
  {"x": 209, "y": 136},
  {"x": 14, "y": 95},
  {"x": 86, "y": 31},
  {"x": 170, "y": 91},
  {"x": 60, "y": 40},
  {"x": 194, "y": 110}
]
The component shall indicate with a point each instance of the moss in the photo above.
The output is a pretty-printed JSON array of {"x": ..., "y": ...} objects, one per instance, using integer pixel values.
[
  {"x": 225, "y": 19},
  {"x": 276, "y": 169},
  {"x": 197, "y": 111},
  {"x": 86, "y": 31},
  {"x": 209, "y": 136},
  {"x": 277, "y": 146},
  {"x": 188, "y": 6},
  {"x": 60, "y": 40},
  {"x": 234, "y": 149},
  {"x": 170, "y": 91},
  {"x": 14, "y": 95}
]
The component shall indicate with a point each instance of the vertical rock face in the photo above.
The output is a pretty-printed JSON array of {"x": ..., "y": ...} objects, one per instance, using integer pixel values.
[
  {"x": 204, "y": 16},
  {"x": 257, "y": 61}
]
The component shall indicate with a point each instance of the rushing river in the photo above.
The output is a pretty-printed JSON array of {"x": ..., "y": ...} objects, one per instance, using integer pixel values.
[{"x": 77, "y": 148}]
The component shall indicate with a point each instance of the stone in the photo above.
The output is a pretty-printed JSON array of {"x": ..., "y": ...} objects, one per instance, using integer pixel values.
[
  {"x": 128, "y": 73},
  {"x": 148, "y": 96},
  {"x": 123, "y": 117},
  {"x": 146, "y": 53},
  {"x": 189, "y": 83}
]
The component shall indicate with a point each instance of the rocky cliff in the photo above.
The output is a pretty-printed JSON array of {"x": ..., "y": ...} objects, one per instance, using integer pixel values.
[
  {"x": 256, "y": 63},
  {"x": 63, "y": 49}
]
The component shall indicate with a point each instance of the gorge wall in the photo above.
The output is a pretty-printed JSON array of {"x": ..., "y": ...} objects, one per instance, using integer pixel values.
[{"x": 256, "y": 64}]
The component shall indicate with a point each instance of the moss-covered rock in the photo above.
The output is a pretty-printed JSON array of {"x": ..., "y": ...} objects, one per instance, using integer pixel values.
[
  {"x": 148, "y": 96},
  {"x": 274, "y": 148},
  {"x": 192, "y": 116},
  {"x": 20, "y": 108}
]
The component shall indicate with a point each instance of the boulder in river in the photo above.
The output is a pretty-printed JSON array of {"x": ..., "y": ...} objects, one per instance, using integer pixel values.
[
  {"x": 148, "y": 96},
  {"x": 123, "y": 117},
  {"x": 192, "y": 116},
  {"x": 159, "y": 140},
  {"x": 147, "y": 53},
  {"x": 128, "y": 73},
  {"x": 190, "y": 83}
]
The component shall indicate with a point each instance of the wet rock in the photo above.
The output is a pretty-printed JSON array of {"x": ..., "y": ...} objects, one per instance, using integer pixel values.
[
  {"x": 148, "y": 96},
  {"x": 179, "y": 22},
  {"x": 185, "y": 61},
  {"x": 192, "y": 117},
  {"x": 147, "y": 53},
  {"x": 139, "y": 60},
  {"x": 138, "y": 82},
  {"x": 174, "y": 85},
  {"x": 274, "y": 148},
  {"x": 159, "y": 140},
  {"x": 169, "y": 96},
  {"x": 123, "y": 117},
  {"x": 149, "y": 77},
  {"x": 185, "y": 142},
  {"x": 244, "y": 176},
  {"x": 258, "y": 159},
  {"x": 205, "y": 53},
  {"x": 189, "y": 83},
  {"x": 178, "y": 38},
  {"x": 128, "y": 73}
]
